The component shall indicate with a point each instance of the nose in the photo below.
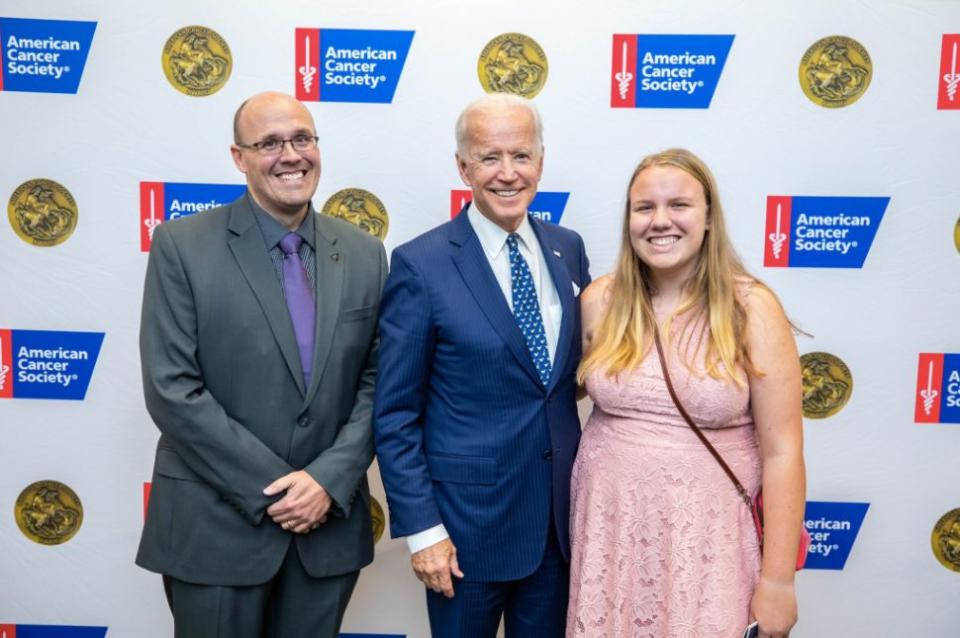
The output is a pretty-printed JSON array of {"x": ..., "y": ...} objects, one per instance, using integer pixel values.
[
  {"x": 287, "y": 151},
  {"x": 661, "y": 217},
  {"x": 508, "y": 171}
]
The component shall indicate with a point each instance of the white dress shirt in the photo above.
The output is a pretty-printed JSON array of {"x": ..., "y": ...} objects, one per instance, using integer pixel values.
[{"x": 493, "y": 240}]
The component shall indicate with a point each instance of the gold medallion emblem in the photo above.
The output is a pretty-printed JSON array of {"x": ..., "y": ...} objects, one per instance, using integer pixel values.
[
  {"x": 827, "y": 384},
  {"x": 42, "y": 212},
  {"x": 835, "y": 71},
  {"x": 361, "y": 208},
  {"x": 196, "y": 61},
  {"x": 956, "y": 235},
  {"x": 945, "y": 540},
  {"x": 48, "y": 512},
  {"x": 512, "y": 63},
  {"x": 378, "y": 519}
]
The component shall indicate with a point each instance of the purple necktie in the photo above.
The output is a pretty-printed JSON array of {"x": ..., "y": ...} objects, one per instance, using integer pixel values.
[{"x": 300, "y": 301}]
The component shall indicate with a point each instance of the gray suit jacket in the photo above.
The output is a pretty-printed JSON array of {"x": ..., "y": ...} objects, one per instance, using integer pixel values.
[{"x": 223, "y": 383}]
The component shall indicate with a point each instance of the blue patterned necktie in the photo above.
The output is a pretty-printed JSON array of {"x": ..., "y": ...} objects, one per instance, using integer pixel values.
[{"x": 526, "y": 310}]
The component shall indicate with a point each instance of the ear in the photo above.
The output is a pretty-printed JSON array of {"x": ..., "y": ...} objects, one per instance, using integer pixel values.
[
  {"x": 706, "y": 225},
  {"x": 462, "y": 169},
  {"x": 237, "y": 154}
]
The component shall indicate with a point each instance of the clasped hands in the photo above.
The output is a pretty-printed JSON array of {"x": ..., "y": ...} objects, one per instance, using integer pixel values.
[
  {"x": 436, "y": 565},
  {"x": 305, "y": 505}
]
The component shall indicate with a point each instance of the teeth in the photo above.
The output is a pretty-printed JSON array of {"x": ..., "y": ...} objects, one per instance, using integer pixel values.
[
  {"x": 664, "y": 241},
  {"x": 288, "y": 177},
  {"x": 507, "y": 193}
]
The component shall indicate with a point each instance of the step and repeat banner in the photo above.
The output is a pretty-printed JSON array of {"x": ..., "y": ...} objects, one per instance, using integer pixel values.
[{"x": 833, "y": 129}]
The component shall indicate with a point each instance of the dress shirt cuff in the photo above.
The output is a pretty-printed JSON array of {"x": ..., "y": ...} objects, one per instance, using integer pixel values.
[{"x": 426, "y": 538}]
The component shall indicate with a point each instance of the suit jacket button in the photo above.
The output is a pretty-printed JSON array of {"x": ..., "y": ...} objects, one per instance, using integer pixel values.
[
  {"x": 548, "y": 454},
  {"x": 303, "y": 421}
]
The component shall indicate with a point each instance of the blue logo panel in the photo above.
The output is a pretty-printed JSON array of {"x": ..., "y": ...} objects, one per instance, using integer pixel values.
[
  {"x": 361, "y": 65},
  {"x": 950, "y": 404},
  {"x": 834, "y": 232},
  {"x": 679, "y": 71},
  {"x": 59, "y": 631},
  {"x": 184, "y": 199},
  {"x": 549, "y": 206},
  {"x": 833, "y": 529},
  {"x": 44, "y": 56},
  {"x": 54, "y": 365}
]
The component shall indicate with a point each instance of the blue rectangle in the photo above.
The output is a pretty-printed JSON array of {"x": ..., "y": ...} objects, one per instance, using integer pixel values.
[
  {"x": 60, "y": 631},
  {"x": 833, "y": 530},
  {"x": 55, "y": 372},
  {"x": 548, "y": 206},
  {"x": 679, "y": 71},
  {"x": 350, "y": 66},
  {"x": 184, "y": 199},
  {"x": 823, "y": 233},
  {"x": 950, "y": 403},
  {"x": 44, "y": 56}
]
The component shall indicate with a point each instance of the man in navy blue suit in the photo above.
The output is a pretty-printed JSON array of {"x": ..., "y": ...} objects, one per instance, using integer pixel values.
[{"x": 475, "y": 411}]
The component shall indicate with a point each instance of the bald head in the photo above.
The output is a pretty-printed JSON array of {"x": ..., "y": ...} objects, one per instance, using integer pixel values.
[{"x": 264, "y": 101}]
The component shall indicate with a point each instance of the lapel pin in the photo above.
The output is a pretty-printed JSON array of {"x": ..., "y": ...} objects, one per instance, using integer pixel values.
[
  {"x": 557, "y": 253},
  {"x": 335, "y": 256}
]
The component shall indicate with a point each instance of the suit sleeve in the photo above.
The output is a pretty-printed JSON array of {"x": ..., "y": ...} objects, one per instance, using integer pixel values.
[
  {"x": 341, "y": 467},
  {"x": 222, "y": 452},
  {"x": 406, "y": 354},
  {"x": 584, "y": 264}
]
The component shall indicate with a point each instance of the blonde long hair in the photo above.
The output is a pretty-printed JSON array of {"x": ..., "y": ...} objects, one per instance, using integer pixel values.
[{"x": 625, "y": 333}]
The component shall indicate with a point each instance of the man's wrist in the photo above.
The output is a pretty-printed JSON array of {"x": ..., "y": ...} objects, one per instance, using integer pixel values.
[{"x": 422, "y": 540}]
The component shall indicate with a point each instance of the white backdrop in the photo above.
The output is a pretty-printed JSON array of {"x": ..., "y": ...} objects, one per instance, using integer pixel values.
[{"x": 761, "y": 136}]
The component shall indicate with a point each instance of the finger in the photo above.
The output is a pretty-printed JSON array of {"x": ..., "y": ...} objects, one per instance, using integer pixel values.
[
  {"x": 446, "y": 585},
  {"x": 455, "y": 566},
  {"x": 277, "y": 486}
]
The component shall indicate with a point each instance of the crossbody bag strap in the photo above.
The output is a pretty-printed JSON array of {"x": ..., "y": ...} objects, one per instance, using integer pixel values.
[{"x": 686, "y": 417}]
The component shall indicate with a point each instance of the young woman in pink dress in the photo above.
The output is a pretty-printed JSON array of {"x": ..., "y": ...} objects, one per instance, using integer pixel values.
[{"x": 662, "y": 544}]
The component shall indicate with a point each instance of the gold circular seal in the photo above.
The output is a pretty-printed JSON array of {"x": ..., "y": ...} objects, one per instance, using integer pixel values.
[
  {"x": 835, "y": 71},
  {"x": 196, "y": 61},
  {"x": 827, "y": 384},
  {"x": 378, "y": 519},
  {"x": 42, "y": 212},
  {"x": 512, "y": 63},
  {"x": 361, "y": 208},
  {"x": 945, "y": 540},
  {"x": 48, "y": 512},
  {"x": 956, "y": 235}
]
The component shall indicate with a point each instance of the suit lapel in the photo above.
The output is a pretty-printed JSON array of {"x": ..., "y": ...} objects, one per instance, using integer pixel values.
[
  {"x": 475, "y": 270},
  {"x": 553, "y": 258},
  {"x": 330, "y": 273},
  {"x": 254, "y": 261}
]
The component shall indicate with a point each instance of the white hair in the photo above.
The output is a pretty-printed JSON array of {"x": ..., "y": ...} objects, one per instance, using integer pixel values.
[{"x": 491, "y": 102}]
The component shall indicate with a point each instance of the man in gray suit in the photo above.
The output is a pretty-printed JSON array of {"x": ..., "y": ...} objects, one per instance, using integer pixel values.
[{"x": 258, "y": 346}]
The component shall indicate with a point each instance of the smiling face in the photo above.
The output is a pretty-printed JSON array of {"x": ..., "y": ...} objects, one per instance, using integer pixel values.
[
  {"x": 282, "y": 184},
  {"x": 502, "y": 163},
  {"x": 668, "y": 221}
]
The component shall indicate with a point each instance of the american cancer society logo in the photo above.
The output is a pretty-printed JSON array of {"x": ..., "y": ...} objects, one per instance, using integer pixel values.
[
  {"x": 666, "y": 71},
  {"x": 833, "y": 530},
  {"x": 547, "y": 206},
  {"x": 938, "y": 388},
  {"x": 820, "y": 232},
  {"x": 164, "y": 201},
  {"x": 42, "y": 364},
  {"x": 51, "y": 631},
  {"x": 43, "y": 56},
  {"x": 349, "y": 65}
]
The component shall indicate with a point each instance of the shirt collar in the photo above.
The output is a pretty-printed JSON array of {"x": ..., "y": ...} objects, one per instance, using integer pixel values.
[
  {"x": 492, "y": 237},
  {"x": 273, "y": 231}
]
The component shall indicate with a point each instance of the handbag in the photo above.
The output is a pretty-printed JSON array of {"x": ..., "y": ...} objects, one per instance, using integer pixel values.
[{"x": 754, "y": 504}]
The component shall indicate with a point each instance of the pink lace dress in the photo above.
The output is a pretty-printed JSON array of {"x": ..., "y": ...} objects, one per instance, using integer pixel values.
[{"x": 662, "y": 546}]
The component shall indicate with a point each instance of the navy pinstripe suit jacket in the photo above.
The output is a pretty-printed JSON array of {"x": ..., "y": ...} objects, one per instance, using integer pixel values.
[{"x": 466, "y": 433}]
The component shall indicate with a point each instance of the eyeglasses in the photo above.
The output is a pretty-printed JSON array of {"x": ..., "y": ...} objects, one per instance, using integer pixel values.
[{"x": 274, "y": 146}]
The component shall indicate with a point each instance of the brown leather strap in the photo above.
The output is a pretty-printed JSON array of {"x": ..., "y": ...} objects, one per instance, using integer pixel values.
[{"x": 686, "y": 417}]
